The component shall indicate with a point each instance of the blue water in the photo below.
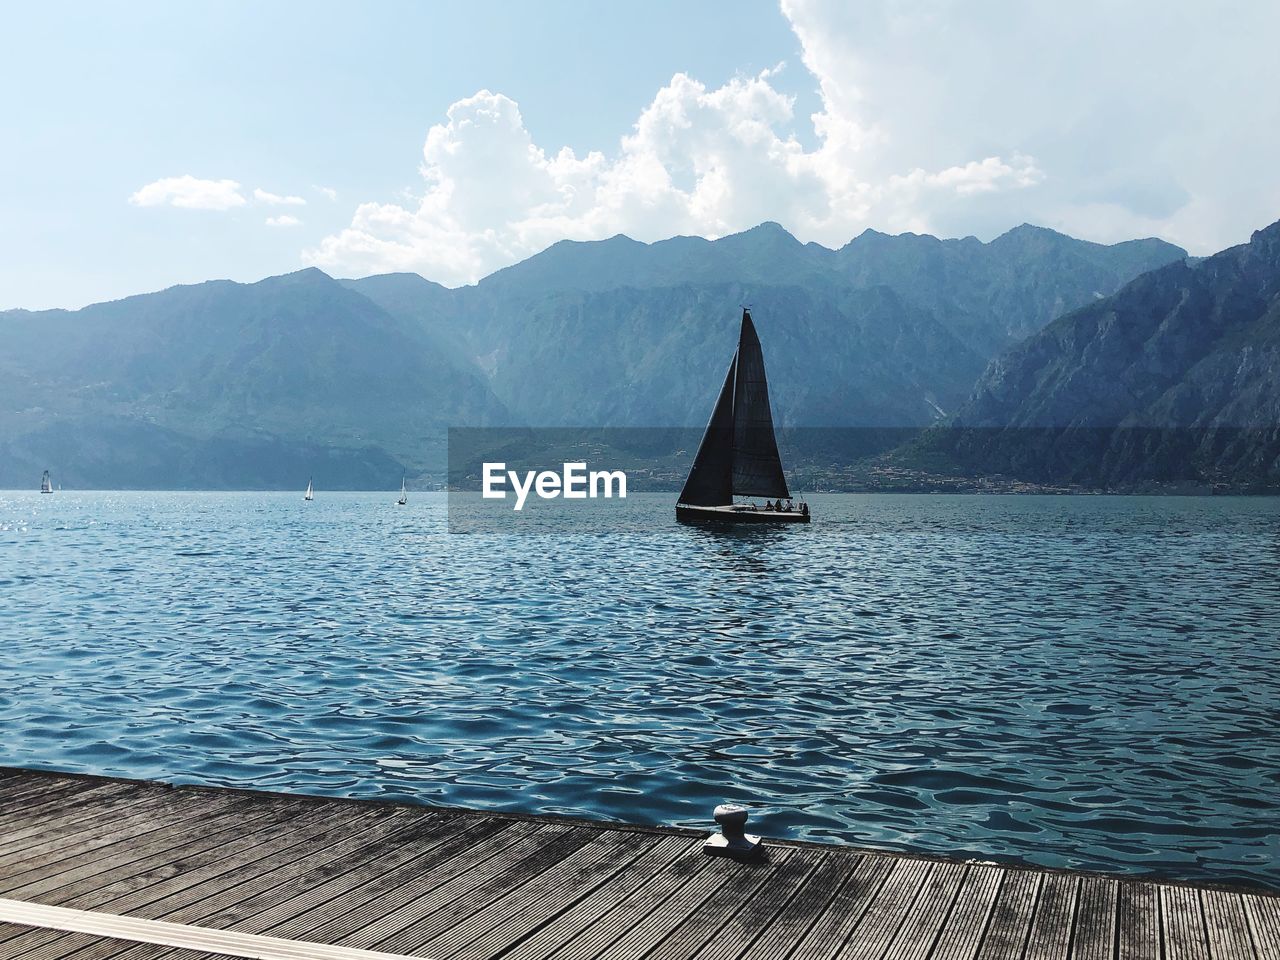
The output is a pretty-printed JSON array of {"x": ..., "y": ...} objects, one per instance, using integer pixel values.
[{"x": 1070, "y": 681}]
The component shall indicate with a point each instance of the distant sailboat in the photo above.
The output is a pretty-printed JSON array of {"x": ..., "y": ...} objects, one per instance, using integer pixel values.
[
  {"x": 738, "y": 455},
  {"x": 404, "y": 494},
  {"x": 45, "y": 485},
  {"x": 309, "y": 495}
]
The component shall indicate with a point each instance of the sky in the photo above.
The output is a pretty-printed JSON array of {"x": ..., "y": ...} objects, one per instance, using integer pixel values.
[{"x": 147, "y": 144}]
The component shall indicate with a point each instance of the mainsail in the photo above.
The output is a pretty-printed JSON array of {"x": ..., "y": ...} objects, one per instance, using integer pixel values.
[
  {"x": 710, "y": 481},
  {"x": 738, "y": 455}
]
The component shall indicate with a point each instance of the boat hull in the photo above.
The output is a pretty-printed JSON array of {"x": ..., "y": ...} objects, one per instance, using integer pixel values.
[{"x": 686, "y": 513}]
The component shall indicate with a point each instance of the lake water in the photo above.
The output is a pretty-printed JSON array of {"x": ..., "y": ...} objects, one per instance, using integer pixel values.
[{"x": 1070, "y": 681}]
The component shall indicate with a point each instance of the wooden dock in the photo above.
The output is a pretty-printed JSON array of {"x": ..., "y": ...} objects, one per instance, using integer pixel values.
[{"x": 92, "y": 868}]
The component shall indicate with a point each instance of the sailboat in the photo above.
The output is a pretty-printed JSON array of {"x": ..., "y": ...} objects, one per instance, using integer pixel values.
[
  {"x": 308, "y": 495},
  {"x": 404, "y": 494},
  {"x": 45, "y": 485},
  {"x": 738, "y": 455}
]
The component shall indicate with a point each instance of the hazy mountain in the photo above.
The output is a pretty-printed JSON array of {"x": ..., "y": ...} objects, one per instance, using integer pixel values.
[
  {"x": 226, "y": 384},
  {"x": 995, "y": 293},
  {"x": 884, "y": 331},
  {"x": 173, "y": 388},
  {"x": 1174, "y": 379}
]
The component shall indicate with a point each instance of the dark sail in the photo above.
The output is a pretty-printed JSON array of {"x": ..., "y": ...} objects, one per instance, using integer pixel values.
[
  {"x": 738, "y": 455},
  {"x": 757, "y": 468},
  {"x": 710, "y": 482}
]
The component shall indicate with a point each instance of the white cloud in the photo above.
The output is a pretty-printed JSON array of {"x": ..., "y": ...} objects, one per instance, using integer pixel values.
[
  {"x": 1133, "y": 112},
  {"x": 284, "y": 220},
  {"x": 190, "y": 193},
  {"x": 329, "y": 192},
  {"x": 934, "y": 117},
  {"x": 274, "y": 199},
  {"x": 698, "y": 160}
]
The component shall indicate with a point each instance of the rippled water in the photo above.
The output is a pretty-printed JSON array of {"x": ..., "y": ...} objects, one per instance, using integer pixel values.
[{"x": 1092, "y": 682}]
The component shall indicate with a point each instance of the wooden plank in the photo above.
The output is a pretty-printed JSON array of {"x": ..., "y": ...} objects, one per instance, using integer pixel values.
[
  {"x": 25, "y": 800},
  {"x": 71, "y": 877},
  {"x": 43, "y": 818},
  {"x": 135, "y": 895},
  {"x": 689, "y": 878},
  {"x": 10, "y": 930},
  {"x": 1227, "y": 926},
  {"x": 10, "y": 774},
  {"x": 678, "y": 928},
  {"x": 391, "y": 903},
  {"x": 511, "y": 918},
  {"x": 457, "y": 877},
  {"x": 456, "y": 901},
  {"x": 1095, "y": 936},
  {"x": 887, "y": 911},
  {"x": 847, "y": 909},
  {"x": 268, "y": 870},
  {"x": 222, "y": 942},
  {"x": 328, "y": 901},
  {"x": 961, "y": 934},
  {"x": 1263, "y": 914},
  {"x": 1182, "y": 924},
  {"x": 27, "y": 783},
  {"x": 229, "y": 906},
  {"x": 1010, "y": 925},
  {"x": 757, "y": 914},
  {"x": 244, "y": 850},
  {"x": 56, "y": 793},
  {"x": 728, "y": 922},
  {"x": 569, "y": 926},
  {"x": 1054, "y": 921},
  {"x": 136, "y": 821},
  {"x": 916, "y": 937},
  {"x": 406, "y": 878},
  {"x": 155, "y": 952},
  {"x": 791, "y": 924},
  {"x": 1138, "y": 922}
]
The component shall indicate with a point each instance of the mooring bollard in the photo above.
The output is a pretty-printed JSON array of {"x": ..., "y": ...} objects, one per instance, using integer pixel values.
[{"x": 732, "y": 840}]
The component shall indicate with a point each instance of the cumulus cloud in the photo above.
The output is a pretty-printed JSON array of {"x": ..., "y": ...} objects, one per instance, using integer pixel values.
[
  {"x": 284, "y": 220},
  {"x": 190, "y": 193},
  {"x": 275, "y": 199},
  {"x": 1133, "y": 112},
  {"x": 698, "y": 160},
  {"x": 933, "y": 117}
]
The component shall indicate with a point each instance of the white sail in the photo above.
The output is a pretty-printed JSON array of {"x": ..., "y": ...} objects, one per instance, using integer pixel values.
[
  {"x": 45, "y": 485},
  {"x": 404, "y": 494},
  {"x": 309, "y": 495}
]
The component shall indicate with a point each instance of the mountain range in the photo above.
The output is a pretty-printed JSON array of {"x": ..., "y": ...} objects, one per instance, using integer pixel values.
[
  {"x": 224, "y": 384},
  {"x": 1174, "y": 381}
]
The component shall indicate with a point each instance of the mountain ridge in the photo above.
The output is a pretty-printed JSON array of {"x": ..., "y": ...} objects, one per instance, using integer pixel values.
[
  {"x": 1175, "y": 378},
  {"x": 889, "y": 331}
]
